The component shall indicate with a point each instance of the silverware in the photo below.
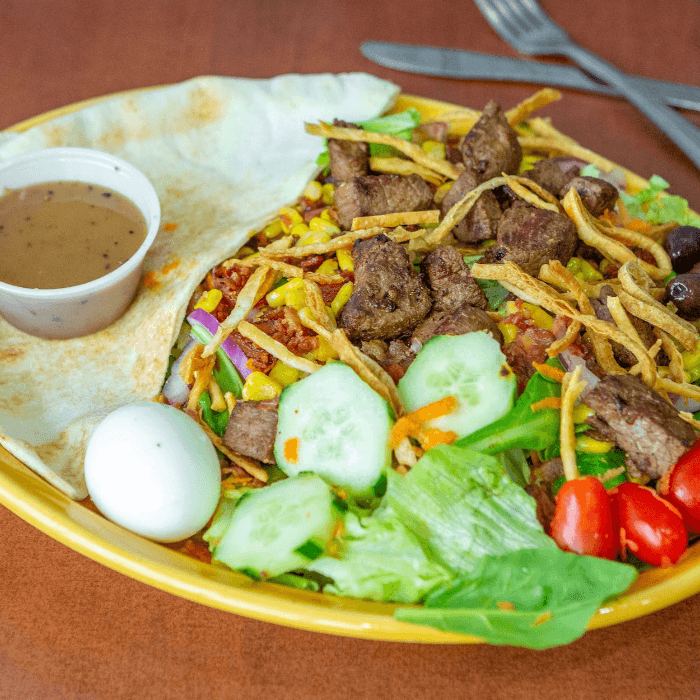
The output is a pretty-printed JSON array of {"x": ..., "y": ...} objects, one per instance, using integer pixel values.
[
  {"x": 524, "y": 25},
  {"x": 453, "y": 63}
]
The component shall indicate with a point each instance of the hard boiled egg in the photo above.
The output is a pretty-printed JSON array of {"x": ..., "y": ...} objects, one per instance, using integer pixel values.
[{"x": 152, "y": 469}]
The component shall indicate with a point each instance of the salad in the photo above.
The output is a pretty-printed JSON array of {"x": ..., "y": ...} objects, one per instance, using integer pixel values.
[{"x": 459, "y": 374}]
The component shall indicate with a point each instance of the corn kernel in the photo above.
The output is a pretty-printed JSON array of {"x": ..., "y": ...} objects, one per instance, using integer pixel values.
[
  {"x": 276, "y": 297},
  {"x": 296, "y": 298},
  {"x": 441, "y": 191},
  {"x": 345, "y": 260},
  {"x": 284, "y": 374},
  {"x": 328, "y": 267},
  {"x": 328, "y": 193},
  {"x": 259, "y": 386},
  {"x": 319, "y": 224},
  {"x": 590, "y": 274},
  {"x": 581, "y": 412},
  {"x": 341, "y": 298},
  {"x": 541, "y": 318},
  {"x": 299, "y": 229},
  {"x": 209, "y": 300},
  {"x": 587, "y": 444},
  {"x": 508, "y": 331},
  {"x": 527, "y": 162},
  {"x": 290, "y": 217},
  {"x": 273, "y": 229},
  {"x": 434, "y": 148},
  {"x": 323, "y": 353},
  {"x": 511, "y": 308},
  {"x": 314, "y": 237},
  {"x": 328, "y": 214},
  {"x": 313, "y": 191}
]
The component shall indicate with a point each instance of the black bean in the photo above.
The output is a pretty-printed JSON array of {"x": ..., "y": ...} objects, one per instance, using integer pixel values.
[
  {"x": 683, "y": 247},
  {"x": 684, "y": 292}
]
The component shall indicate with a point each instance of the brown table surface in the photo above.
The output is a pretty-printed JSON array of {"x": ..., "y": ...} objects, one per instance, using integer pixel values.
[{"x": 71, "y": 628}]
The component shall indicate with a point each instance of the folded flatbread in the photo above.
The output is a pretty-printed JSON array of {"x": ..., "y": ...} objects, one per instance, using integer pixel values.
[{"x": 224, "y": 155}]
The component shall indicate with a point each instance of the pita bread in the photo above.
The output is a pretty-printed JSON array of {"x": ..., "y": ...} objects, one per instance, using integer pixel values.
[{"x": 224, "y": 155}]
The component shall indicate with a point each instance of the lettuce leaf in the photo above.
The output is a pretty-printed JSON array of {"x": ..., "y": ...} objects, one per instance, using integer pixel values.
[
  {"x": 463, "y": 506},
  {"x": 534, "y": 598},
  {"x": 655, "y": 209},
  {"x": 381, "y": 560}
]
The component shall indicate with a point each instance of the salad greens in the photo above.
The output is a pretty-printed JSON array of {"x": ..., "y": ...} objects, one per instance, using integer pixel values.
[
  {"x": 538, "y": 598},
  {"x": 401, "y": 125}
]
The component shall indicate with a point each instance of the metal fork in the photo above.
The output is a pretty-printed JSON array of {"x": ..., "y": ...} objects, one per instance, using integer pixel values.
[{"x": 525, "y": 26}]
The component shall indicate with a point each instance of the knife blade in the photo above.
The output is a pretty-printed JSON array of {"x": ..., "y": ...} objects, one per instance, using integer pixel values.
[{"x": 454, "y": 63}]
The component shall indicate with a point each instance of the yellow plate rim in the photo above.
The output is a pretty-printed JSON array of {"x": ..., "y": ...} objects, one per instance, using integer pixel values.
[{"x": 74, "y": 525}]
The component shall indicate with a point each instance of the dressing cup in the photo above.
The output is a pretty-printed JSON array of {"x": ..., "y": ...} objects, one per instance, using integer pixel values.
[{"x": 70, "y": 312}]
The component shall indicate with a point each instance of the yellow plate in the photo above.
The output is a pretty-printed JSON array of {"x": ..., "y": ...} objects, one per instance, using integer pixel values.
[{"x": 71, "y": 523}]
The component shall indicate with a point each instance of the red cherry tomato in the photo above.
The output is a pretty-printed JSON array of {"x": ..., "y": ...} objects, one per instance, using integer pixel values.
[
  {"x": 650, "y": 527},
  {"x": 681, "y": 487},
  {"x": 584, "y": 520}
]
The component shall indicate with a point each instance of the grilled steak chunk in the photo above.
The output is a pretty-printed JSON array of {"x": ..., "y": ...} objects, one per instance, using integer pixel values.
[
  {"x": 624, "y": 356},
  {"x": 491, "y": 146},
  {"x": 596, "y": 195},
  {"x": 252, "y": 428},
  {"x": 390, "y": 298},
  {"x": 482, "y": 220},
  {"x": 347, "y": 158},
  {"x": 637, "y": 419},
  {"x": 394, "y": 356},
  {"x": 369, "y": 195},
  {"x": 450, "y": 281},
  {"x": 531, "y": 237},
  {"x": 549, "y": 174},
  {"x": 459, "y": 320}
]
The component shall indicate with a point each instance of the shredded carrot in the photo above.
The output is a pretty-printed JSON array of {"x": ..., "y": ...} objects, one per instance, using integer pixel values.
[
  {"x": 549, "y": 371},
  {"x": 549, "y": 402},
  {"x": 630, "y": 222},
  {"x": 542, "y": 618},
  {"x": 169, "y": 227},
  {"x": 410, "y": 424},
  {"x": 429, "y": 437},
  {"x": 291, "y": 450},
  {"x": 505, "y": 605}
]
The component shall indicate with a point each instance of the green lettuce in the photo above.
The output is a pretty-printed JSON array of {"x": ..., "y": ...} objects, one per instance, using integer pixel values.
[
  {"x": 463, "y": 506},
  {"x": 381, "y": 559},
  {"x": 535, "y": 598},
  {"x": 649, "y": 205}
]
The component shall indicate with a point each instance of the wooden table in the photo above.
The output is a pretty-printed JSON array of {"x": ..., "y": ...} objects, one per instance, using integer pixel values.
[{"x": 71, "y": 628}]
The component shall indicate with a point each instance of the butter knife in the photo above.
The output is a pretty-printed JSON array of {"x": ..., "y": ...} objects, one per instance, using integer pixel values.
[{"x": 453, "y": 63}]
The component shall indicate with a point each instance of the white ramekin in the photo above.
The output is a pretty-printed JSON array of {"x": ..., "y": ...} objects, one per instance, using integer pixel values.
[{"x": 76, "y": 311}]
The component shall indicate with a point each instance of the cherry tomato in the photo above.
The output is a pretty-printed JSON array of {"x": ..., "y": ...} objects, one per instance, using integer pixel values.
[
  {"x": 650, "y": 527},
  {"x": 681, "y": 487},
  {"x": 584, "y": 520}
]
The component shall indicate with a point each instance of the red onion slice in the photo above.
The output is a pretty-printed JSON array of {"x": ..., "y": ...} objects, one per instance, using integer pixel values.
[
  {"x": 684, "y": 404},
  {"x": 200, "y": 317},
  {"x": 569, "y": 361}
]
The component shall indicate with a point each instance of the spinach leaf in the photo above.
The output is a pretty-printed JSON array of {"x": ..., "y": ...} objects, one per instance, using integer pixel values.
[
  {"x": 534, "y": 598},
  {"x": 521, "y": 427}
]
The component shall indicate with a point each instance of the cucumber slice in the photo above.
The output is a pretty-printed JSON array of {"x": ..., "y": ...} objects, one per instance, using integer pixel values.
[
  {"x": 279, "y": 528},
  {"x": 333, "y": 424},
  {"x": 470, "y": 367}
]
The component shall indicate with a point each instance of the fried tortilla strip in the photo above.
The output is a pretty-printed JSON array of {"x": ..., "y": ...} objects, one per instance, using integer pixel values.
[
  {"x": 257, "y": 285},
  {"x": 688, "y": 391},
  {"x": 622, "y": 320},
  {"x": 405, "y": 453},
  {"x": 403, "y": 218},
  {"x": 459, "y": 210},
  {"x": 414, "y": 152},
  {"x": 532, "y": 193},
  {"x": 275, "y": 348},
  {"x": 564, "y": 343},
  {"x": 401, "y": 166},
  {"x": 201, "y": 382},
  {"x": 675, "y": 365},
  {"x": 315, "y": 303},
  {"x": 366, "y": 369},
  {"x": 636, "y": 298},
  {"x": 290, "y": 270},
  {"x": 571, "y": 389},
  {"x": 590, "y": 232},
  {"x": 551, "y": 301},
  {"x": 346, "y": 240},
  {"x": 689, "y": 418},
  {"x": 540, "y": 99}
]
